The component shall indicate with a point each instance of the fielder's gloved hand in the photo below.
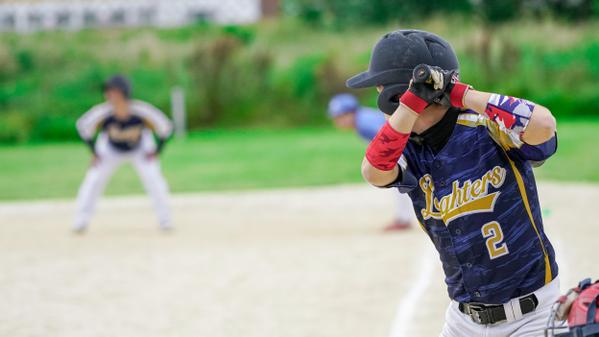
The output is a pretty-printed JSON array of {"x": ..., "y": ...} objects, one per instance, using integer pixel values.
[
  {"x": 95, "y": 160},
  {"x": 160, "y": 145},
  {"x": 91, "y": 143},
  {"x": 151, "y": 156}
]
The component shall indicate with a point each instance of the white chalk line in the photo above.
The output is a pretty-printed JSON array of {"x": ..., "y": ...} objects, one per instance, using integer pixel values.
[{"x": 407, "y": 306}]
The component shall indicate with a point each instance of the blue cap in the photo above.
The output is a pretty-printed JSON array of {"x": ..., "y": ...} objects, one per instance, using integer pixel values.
[{"x": 342, "y": 104}]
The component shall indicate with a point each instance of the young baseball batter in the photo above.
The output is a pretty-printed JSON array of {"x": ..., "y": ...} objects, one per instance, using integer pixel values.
[
  {"x": 465, "y": 157},
  {"x": 124, "y": 129},
  {"x": 347, "y": 114}
]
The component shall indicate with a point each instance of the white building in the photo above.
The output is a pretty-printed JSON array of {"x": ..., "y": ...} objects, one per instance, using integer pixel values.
[{"x": 35, "y": 15}]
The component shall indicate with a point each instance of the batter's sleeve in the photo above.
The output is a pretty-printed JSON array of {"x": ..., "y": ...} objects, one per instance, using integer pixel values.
[
  {"x": 156, "y": 119},
  {"x": 511, "y": 143},
  {"x": 405, "y": 181},
  {"x": 518, "y": 150},
  {"x": 87, "y": 125}
]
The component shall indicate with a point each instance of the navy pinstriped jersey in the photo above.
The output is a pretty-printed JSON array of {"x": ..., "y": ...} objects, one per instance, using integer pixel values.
[{"x": 477, "y": 200}]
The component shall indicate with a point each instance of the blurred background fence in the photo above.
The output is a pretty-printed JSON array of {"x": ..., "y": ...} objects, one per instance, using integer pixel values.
[
  {"x": 27, "y": 16},
  {"x": 243, "y": 69}
]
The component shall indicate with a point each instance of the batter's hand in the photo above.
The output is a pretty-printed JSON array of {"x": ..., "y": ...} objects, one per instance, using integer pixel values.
[
  {"x": 426, "y": 87},
  {"x": 436, "y": 80},
  {"x": 446, "y": 80}
]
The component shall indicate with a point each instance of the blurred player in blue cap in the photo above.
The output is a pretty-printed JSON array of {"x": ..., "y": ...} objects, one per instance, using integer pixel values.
[{"x": 347, "y": 114}]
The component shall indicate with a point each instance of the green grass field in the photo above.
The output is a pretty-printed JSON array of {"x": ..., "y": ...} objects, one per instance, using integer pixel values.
[{"x": 250, "y": 159}]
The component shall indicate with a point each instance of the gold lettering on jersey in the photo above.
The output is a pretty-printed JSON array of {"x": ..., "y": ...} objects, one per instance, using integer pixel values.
[
  {"x": 467, "y": 198},
  {"x": 128, "y": 135}
]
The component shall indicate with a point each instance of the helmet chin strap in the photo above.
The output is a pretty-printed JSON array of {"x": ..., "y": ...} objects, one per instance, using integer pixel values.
[{"x": 388, "y": 100}]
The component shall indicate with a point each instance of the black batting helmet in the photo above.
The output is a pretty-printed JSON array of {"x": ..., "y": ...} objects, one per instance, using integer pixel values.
[
  {"x": 394, "y": 58},
  {"x": 120, "y": 83}
]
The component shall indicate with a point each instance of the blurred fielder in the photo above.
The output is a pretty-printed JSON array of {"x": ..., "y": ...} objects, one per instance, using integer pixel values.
[
  {"x": 347, "y": 114},
  {"x": 124, "y": 129}
]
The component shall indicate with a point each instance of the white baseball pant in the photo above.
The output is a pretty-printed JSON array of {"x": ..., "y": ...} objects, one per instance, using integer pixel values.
[
  {"x": 110, "y": 159},
  {"x": 458, "y": 324},
  {"x": 404, "y": 209}
]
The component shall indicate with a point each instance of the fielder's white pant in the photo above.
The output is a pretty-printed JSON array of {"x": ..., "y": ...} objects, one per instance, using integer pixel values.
[
  {"x": 532, "y": 324},
  {"x": 109, "y": 160},
  {"x": 405, "y": 210}
]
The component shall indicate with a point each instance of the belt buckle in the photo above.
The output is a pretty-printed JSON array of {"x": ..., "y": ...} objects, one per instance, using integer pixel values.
[
  {"x": 479, "y": 314},
  {"x": 527, "y": 305}
]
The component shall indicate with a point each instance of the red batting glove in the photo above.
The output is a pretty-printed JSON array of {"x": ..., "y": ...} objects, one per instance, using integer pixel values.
[
  {"x": 457, "y": 92},
  {"x": 412, "y": 101}
]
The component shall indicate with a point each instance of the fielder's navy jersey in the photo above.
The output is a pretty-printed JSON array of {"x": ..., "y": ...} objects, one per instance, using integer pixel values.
[
  {"x": 124, "y": 135},
  {"x": 477, "y": 200}
]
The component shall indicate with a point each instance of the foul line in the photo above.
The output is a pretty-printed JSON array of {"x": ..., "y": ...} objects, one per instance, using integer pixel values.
[{"x": 408, "y": 305}]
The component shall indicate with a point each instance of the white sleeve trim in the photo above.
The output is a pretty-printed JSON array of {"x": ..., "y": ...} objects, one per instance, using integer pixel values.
[
  {"x": 403, "y": 163},
  {"x": 87, "y": 125},
  {"x": 161, "y": 124}
]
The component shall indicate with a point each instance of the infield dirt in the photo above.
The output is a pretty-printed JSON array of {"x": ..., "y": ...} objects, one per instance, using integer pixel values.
[{"x": 280, "y": 263}]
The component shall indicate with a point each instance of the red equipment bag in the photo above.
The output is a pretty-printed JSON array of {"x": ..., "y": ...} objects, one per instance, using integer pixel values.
[{"x": 579, "y": 307}]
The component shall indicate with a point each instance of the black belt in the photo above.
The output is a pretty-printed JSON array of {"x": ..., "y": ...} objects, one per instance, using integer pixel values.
[{"x": 491, "y": 314}]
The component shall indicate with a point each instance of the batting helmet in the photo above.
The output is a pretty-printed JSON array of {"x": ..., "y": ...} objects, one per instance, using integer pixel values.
[
  {"x": 343, "y": 103},
  {"x": 120, "y": 83},
  {"x": 394, "y": 58}
]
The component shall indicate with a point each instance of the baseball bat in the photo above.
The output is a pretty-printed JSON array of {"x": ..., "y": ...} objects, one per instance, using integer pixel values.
[{"x": 422, "y": 74}]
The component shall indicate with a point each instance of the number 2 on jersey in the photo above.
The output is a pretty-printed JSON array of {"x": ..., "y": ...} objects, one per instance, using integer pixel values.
[{"x": 494, "y": 235}]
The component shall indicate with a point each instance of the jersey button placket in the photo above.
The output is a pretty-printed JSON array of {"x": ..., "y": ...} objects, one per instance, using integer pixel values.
[{"x": 438, "y": 172}]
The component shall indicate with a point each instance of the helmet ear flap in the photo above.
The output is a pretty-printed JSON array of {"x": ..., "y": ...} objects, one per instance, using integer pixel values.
[{"x": 388, "y": 100}]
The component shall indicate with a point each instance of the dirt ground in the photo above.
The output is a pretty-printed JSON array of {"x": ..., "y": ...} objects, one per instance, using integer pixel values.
[{"x": 281, "y": 263}]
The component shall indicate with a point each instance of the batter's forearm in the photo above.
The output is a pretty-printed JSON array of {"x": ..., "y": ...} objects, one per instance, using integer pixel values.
[
  {"x": 403, "y": 119},
  {"x": 532, "y": 122},
  {"x": 379, "y": 166}
]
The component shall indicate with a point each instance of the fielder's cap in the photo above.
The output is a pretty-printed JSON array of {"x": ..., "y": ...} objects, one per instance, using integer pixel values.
[
  {"x": 118, "y": 82},
  {"x": 397, "y": 53},
  {"x": 341, "y": 104}
]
